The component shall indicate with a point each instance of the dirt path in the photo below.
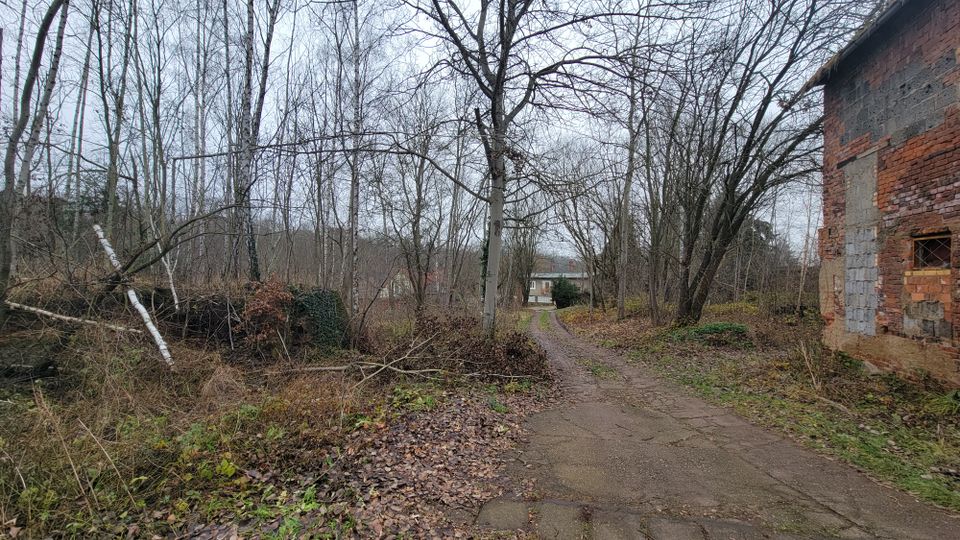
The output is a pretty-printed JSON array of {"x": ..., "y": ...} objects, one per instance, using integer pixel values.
[{"x": 628, "y": 455}]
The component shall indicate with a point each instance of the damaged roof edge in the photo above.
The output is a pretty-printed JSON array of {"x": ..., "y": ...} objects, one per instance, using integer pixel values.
[{"x": 866, "y": 32}]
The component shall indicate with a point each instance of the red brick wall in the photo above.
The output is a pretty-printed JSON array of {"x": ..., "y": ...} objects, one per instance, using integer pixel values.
[{"x": 918, "y": 164}]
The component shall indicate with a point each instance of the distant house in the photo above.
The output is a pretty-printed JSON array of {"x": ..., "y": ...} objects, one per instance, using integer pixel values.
[
  {"x": 889, "y": 280},
  {"x": 541, "y": 284},
  {"x": 399, "y": 285},
  {"x": 396, "y": 286}
]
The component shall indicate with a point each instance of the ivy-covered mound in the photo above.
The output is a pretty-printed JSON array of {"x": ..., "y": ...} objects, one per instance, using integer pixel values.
[{"x": 319, "y": 316}]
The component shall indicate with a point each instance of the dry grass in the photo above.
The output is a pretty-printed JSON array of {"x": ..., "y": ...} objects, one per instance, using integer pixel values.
[
  {"x": 603, "y": 327},
  {"x": 767, "y": 330},
  {"x": 117, "y": 433},
  {"x": 117, "y": 440}
]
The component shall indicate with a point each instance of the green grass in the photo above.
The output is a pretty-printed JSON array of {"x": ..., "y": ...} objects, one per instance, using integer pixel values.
[
  {"x": 599, "y": 370},
  {"x": 415, "y": 397},
  {"x": 893, "y": 451},
  {"x": 544, "y": 320},
  {"x": 517, "y": 386},
  {"x": 265, "y": 506},
  {"x": 497, "y": 406},
  {"x": 714, "y": 333}
]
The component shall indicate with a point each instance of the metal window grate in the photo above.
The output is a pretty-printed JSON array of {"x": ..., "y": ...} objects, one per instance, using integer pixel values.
[{"x": 932, "y": 252}]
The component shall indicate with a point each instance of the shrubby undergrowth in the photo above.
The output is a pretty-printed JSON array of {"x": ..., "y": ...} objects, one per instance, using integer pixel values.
[{"x": 115, "y": 442}]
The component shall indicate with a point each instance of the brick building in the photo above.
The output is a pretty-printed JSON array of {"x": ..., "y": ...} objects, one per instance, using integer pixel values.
[{"x": 889, "y": 280}]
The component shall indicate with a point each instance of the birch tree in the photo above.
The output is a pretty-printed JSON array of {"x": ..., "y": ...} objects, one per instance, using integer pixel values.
[
  {"x": 113, "y": 90},
  {"x": 8, "y": 198},
  {"x": 251, "y": 116}
]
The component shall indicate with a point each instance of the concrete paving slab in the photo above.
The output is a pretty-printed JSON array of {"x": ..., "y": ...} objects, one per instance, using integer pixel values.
[{"x": 641, "y": 457}]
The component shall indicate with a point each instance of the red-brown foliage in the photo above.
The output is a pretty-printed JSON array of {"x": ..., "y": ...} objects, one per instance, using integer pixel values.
[{"x": 266, "y": 314}]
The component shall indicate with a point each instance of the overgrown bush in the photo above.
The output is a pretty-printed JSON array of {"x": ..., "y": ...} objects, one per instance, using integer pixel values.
[
  {"x": 319, "y": 317},
  {"x": 564, "y": 293},
  {"x": 262, "y": 316},
  {"x": 731, "y": 308},
  {"x": 210, "y": 316},
  {"x": 94, "y": 442},
  {"x": 119, "y": 439}
]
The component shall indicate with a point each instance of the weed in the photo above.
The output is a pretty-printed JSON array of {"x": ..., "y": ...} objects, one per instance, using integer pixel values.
[
  {"x": 637, "y": 305},
  {"x": 524, "y": 320},
  {"x": 580, "y": 315},
  {"x": 458, "y": 345},
  {"x": 414, "y": 397},
  {"x": 780, "y": 395},
  {"x": 289, "y": 528},
  {"x": 517, "y": 386},
  {"x": 275, "y": 433},
  {"x": 497, "y": 406},
  {"x": 715, "y": 334},
  {"x": 946, "y": 404},
  {"x": 226, "y": 468},
  {"x": 198, "y": 438},
  {"x": 599, "y": 370},
  {"x": 248, "y": 411},
  {"x": 122, "y": 440},
  {"x": 732, "y": 308}
]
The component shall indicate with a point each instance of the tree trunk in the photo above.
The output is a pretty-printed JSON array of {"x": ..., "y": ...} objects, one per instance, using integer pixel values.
[
  {"x": 244, "y": 168},
  {"x": 351, "y": 277},
  {"x": 498, "y": 175},
  {"x": 16, "y": 59},
  {"x": 76, "y": 144},
  {"x": 8, "y": 196},
  {"x": 624, "y": 223},
  {"x": 113, "y": 130}
]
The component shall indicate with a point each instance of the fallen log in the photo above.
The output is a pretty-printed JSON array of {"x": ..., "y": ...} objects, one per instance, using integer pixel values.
[{"x": 70, "y": 319}]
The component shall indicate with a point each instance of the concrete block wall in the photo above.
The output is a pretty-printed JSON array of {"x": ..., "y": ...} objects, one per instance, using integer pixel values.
[
  {"x": 860, "y": 280},
  {"x": 861, "y": 217},
  {"x": 893, "y": 108}
]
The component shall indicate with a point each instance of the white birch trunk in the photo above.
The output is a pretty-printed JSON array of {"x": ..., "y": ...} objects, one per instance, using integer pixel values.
[
  {"x": 68, "y": 318},
  {"x": 132, "y": 295}
]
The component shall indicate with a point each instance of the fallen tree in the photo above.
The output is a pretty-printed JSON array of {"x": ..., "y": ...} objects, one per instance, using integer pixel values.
[
  {"x": 67, "y": 318},
  {"x": 132, "y": 296}
]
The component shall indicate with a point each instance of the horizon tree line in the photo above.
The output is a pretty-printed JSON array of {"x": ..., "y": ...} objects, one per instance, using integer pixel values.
[{"x": 335, "y": 144}]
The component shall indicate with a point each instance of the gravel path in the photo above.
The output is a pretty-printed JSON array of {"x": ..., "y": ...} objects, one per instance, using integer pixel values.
[{"x": 629, "y": 455}]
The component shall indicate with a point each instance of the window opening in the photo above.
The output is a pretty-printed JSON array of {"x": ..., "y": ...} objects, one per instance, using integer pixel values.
[{"x": 931, "y": 252}]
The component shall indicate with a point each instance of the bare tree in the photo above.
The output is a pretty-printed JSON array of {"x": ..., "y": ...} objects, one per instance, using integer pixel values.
[
  {"x": 742, "y": 126},
  {"x": 523, "y": 252},
  {"x": 8, "y": 198},
  {"x": 509, "y": 51},
  {"x": 251, "y": 116},
  {"x": 337, "y": 166},
  {"x": 587, "y": 209},
  {"x": 412, "y": 204},
  {"x": 113, "y": 90}
]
